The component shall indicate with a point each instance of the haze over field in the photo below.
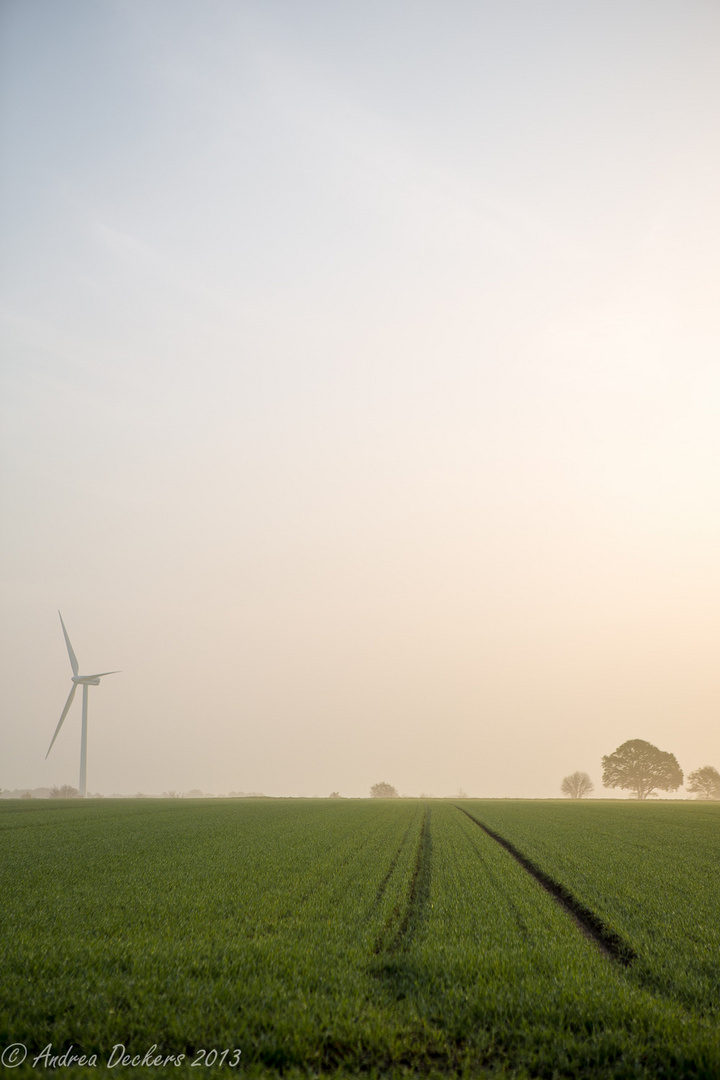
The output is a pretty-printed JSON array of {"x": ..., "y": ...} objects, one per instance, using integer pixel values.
[{"x": 361, "y": 395}]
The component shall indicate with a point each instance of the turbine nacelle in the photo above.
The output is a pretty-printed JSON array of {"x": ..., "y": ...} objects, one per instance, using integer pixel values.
[{"x": 91, "y": 680}]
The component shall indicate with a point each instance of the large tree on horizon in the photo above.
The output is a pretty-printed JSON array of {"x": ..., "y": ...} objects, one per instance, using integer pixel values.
[{"x": 639, "y": 766}]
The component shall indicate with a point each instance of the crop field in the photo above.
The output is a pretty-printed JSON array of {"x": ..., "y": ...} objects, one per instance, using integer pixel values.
[{"x": 343, "y": 938}]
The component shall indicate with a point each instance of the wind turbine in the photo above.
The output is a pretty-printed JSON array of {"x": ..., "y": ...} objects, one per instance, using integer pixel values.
[{"x": 84, "y": 681}]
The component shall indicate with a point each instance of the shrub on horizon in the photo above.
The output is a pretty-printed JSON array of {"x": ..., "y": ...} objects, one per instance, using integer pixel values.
[{"x": 384, "y": 791}]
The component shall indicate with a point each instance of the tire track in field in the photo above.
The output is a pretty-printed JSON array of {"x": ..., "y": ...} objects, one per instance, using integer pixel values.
[
  {"x": 391, "y": 870},
  {"x": 499, "y": 883},
  {"x": 403, "y": 921},
  {"x": 609, "y": 943}
]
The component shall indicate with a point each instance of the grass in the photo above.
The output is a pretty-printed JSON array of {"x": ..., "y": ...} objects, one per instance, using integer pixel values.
[{"x": 348, "y": 938}]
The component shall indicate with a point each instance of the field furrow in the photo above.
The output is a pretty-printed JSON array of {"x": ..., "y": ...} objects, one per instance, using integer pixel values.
[
  {"x": 410, "y": 907},
  {"x": 588, "y": 921}
]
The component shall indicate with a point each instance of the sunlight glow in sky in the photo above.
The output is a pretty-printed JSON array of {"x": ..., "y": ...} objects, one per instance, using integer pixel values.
[{"x": 360, "y": 390}]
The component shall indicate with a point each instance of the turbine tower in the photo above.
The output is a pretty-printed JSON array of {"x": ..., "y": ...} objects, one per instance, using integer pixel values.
[{"x": 84, "y": 681}]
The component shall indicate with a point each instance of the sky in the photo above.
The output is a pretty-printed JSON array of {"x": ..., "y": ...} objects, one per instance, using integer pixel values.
[{"x": 360, "y": 391}]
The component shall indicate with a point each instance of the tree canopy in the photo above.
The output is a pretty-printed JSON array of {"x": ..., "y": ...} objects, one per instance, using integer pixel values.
[
  {"x": 705, "y": 782},
  {"x": 384, "y": 791},
  {"x": 640, "y": 767},
  {"x": 577, "y": 785}
]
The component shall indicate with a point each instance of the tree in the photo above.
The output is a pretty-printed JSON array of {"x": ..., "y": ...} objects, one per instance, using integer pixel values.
[
  {"x": 334, "y": 795},
  {"x": 577, "y": 785},
  {"x": 64, "y": 792},
  {"x": 640, "y": 767},
  {"x": 384, "y": 791},
  {"x": 705, "y": 782}
]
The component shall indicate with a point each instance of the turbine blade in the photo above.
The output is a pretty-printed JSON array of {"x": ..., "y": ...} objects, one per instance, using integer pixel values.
[
  {"x": 65, "y": 711},
  {"x": 71, "y": 654},
  {"x": 101, "y": 674}
]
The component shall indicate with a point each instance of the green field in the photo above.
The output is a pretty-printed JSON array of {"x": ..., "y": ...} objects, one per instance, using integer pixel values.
[{"x": 363, "y": 938}]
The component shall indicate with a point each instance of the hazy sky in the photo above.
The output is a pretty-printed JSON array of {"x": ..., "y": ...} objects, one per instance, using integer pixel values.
[{"x": 361, "y": 390}]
